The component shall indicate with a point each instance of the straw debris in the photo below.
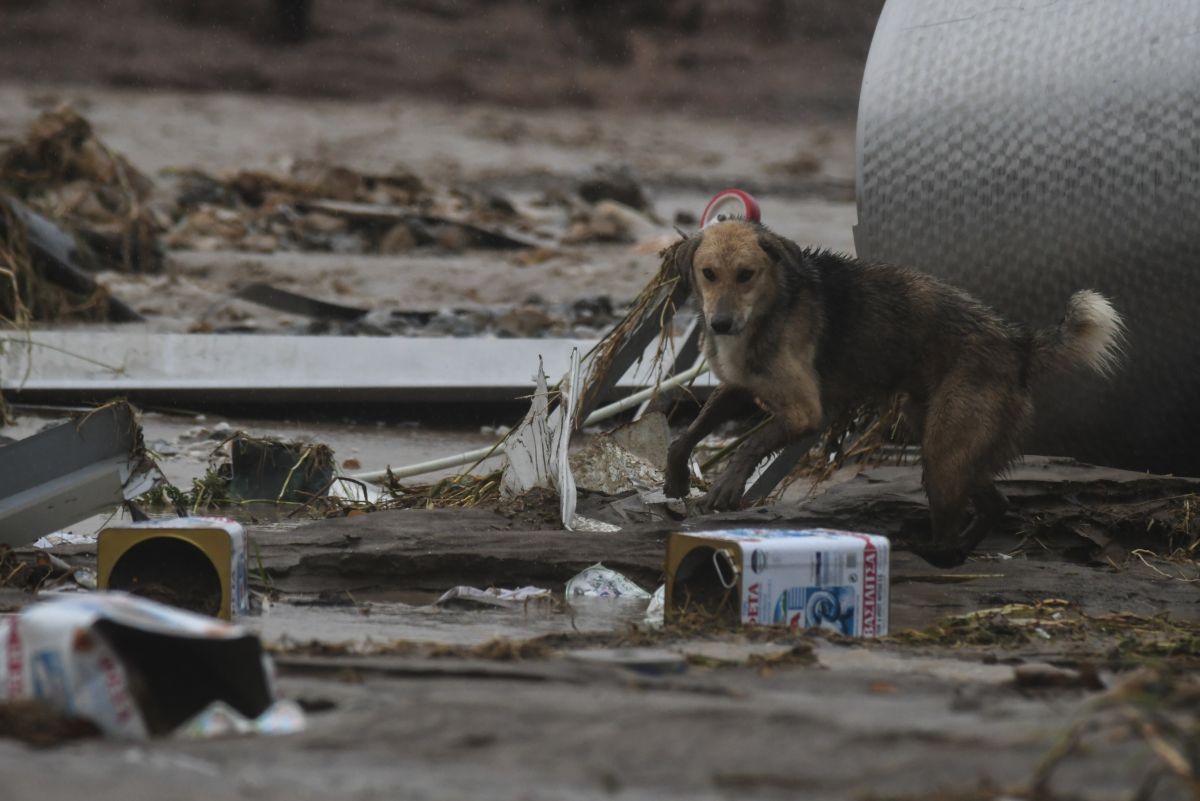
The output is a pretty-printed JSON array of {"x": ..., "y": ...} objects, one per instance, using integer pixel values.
[
  {"x": 1123, "y": 638},
  {"x": 65, "y": 172}
]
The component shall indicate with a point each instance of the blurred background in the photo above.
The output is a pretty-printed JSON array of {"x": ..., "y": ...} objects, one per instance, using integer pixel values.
[
  {"x": 424, "y": 168},
  {"x": 779, "y": 59}
]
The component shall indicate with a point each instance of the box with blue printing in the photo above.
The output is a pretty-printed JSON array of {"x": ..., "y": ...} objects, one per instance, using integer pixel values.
[{"x": 836, "y": 580}]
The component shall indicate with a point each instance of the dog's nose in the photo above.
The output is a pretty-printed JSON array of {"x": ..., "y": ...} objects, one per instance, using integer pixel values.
[{"x": 721, "y": 325}]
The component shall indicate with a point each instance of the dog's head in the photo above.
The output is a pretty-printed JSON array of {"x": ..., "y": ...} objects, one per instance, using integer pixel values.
[{"x": 738, "y": 270}]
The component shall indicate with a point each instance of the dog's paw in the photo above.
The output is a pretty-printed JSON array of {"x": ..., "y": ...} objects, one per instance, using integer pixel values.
[
  {"x": 725, "y": 495},
  {"x": 941, "y": 556}
]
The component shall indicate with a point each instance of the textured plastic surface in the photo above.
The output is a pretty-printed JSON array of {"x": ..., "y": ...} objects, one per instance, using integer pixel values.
[{"x": 1027, "y": 150}]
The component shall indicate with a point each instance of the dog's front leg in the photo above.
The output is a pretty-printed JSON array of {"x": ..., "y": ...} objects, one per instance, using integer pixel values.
[
  {"x": 727, "y": 490},
  {"x": 724, "y": 404},
  {"x": 798, "y": 414}
]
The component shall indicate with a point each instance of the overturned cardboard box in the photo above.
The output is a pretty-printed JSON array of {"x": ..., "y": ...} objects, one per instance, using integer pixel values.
[
  {"x": 835, "y": 580},
  {"x": 136, "y": 668},
  {"x": 193, "y": 563}
]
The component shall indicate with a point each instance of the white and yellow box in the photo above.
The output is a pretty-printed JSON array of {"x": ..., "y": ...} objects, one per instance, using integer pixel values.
[
  {"x": 806, "y": 578},
  {"x": 195, "y": 563}
]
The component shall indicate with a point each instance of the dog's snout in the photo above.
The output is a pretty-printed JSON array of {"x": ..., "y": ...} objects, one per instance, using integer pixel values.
[{"x": 721, "y": 325}]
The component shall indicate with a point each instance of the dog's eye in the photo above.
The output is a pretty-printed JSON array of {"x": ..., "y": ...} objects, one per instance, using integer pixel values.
[
  {"x": 709, "y": 275},
  {"x": 744, "y": 275}
]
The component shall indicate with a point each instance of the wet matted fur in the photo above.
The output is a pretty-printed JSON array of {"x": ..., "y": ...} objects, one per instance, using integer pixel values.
[{"x": 810, "y": 334}]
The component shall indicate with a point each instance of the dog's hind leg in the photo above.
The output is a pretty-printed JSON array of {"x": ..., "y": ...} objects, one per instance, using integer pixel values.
[
  {"x": 724, "y": 404},
  {"x": 969, "y": 437},
  {"x": 990, "y": 508}
]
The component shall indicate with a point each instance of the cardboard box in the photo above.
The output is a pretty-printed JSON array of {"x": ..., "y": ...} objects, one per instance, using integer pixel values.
[
  {"x": 133, "y": 667},
  {"x": 194, "y": 563},
  {"x": 802, "y": 578}
]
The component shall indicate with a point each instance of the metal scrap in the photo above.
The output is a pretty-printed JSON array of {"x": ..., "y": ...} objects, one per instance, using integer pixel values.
[{"x": 71, "y": 471}]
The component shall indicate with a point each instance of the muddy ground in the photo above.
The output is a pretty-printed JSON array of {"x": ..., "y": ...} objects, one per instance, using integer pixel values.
[{"x": 1055, "y": 664}]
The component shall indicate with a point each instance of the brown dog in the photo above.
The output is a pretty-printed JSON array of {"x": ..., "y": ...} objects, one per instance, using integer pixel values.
[{"x": 805, "y": 334}]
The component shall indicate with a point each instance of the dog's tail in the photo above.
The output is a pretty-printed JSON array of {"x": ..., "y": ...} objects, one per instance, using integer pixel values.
[{"x": 1091, "y": 334}]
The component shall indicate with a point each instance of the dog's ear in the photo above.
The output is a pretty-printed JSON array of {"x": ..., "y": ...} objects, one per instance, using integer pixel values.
[
  {"x": 684, "y": 253},
  {"x": 786, "y": 255},
  {"x": 779, "y": 250}
]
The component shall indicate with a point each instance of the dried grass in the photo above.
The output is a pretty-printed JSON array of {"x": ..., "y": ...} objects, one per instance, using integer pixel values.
[{"x": 64, "y": 171}]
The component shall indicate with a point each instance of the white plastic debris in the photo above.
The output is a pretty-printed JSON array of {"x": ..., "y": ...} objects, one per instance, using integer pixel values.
[
  {"x": 656, "y": 611},
  {"x": 599, "y": 581},
  {"x": 581, "y": 523},
  {"x": 85, "y": 577},
  {"x": 492, "y": 596},
  {"x": 134, "y": 667},
  {"x": 536, "y": 451},
  {"x": 219, "y": 719},
  {"x": 529, "y": 448},
  {"x": 64, "y": 538}
]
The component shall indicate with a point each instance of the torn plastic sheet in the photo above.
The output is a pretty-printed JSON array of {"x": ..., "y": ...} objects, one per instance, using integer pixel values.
[
  {"x": 219, "y": 719},
  {"x": 656, "y": 611},
  {"x": 64, "y": 538},
  {"x": 599, "y": 581},
  {"x": 492, "y": 596},
  {"x": 529, "y": 447},
  {"x": 134, "y": 667},
  {"x": 536, "y": 452}
]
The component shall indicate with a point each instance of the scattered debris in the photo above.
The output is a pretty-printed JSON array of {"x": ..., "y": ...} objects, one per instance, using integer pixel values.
[
  {"x": 598, "y": 581},
  {"x": 610, "y": 221},
  {"x": 159, "y": 666},
  {"x": 531, "y": 448},
  {"x": 466, "y": 234},
  {"x": 248, "y": 472},
  {"x": 536, "y": 451},
  {"x": 193, "y": 563},
  {"x": 291, "y": 303},
  {"x": 604, "y": 466},
  {"x": 44, "y": 571},
  {"x": 656, "y": 611},
  {"x": 1038, "y": 675},
  {"x": 73, "y": 470},
  {"x": 280, "y": 472},
  {"x": 1156, "y": 707},
  {"x": 650, "y": 661},
  {"x": 1117, "y": 640},
  {"x": 219, "y": 719},
  {"x": 614, "y": 183},
  {"x": 318, "y": 207},
  {"x": 63, "y": 170},
  {"x": 42, "y": 724},
  {"x": 474, "y": 598},
  {"x": 48, "y": 281}
]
